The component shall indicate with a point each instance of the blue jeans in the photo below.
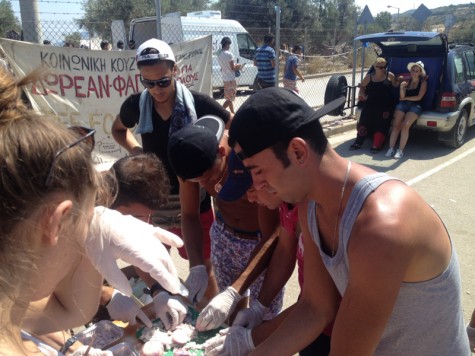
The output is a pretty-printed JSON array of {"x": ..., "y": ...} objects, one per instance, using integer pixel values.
[{"x": 409, "y": 106}]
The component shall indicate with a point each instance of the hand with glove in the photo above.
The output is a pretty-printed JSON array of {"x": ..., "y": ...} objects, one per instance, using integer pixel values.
[
  {"x": 234, "y": 341},
  {"x": 91, "y": 352},
  {"x": 169, "y": 309},
  {"x": 218, "y": 310},
  {"x": 252, "y": 316},
  {"x": 123, "y": 308},
  {"x": 197, "y": 282},
  {"x": 113, "y": 235}
]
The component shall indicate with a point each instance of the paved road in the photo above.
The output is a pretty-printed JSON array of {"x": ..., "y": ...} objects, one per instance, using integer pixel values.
[{"x": 443, "y": 176}]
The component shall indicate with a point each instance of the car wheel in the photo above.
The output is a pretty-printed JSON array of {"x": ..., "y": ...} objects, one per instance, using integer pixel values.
[
  {"x": 456, "y": 137},
  {"x": 336, "y": 88}
]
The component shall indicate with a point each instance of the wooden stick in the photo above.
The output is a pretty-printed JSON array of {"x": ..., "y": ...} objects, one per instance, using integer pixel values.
[
  {"x": 137, "y": 301},
  {"x": 90, "y": 344}
]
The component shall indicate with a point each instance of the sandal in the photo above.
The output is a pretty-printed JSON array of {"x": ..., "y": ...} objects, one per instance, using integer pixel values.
[{"x": 355, "y": 146}]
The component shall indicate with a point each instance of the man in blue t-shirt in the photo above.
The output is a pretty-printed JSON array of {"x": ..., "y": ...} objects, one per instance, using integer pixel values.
[
  {"x": 264, "y": 60},
  {"x": 292, "y": 70}
]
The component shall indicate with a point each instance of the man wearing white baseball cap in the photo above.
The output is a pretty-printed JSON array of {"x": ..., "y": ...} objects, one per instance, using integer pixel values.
[{"x": 161, "y": 109}]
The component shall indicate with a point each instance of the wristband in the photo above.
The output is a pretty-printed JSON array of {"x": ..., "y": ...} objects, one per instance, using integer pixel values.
[{"x": 69, "y": 342}]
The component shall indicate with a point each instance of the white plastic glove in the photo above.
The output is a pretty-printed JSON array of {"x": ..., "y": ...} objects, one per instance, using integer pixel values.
[
  {"x": 235, "y": 341},
  {"x": 218, "y": 310},
  {"x": 169, "y": 309},
  {"x": 123, "y": 308},
  {"x": 113, "y": 235},
  {"x": 92, "y": 352},
  {"x": 252, "y": 316},
  {"x": 197, "y": 282}
]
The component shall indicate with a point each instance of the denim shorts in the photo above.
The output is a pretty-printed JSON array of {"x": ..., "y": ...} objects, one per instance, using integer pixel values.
[{"x": 409, "y": 106}]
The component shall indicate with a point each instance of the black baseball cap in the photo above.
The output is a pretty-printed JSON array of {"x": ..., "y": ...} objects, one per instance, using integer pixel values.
[
  {"x": 270, "y": 116},
  {"x": 192, "y": 150},
  {"x": 239, "y": 179}
]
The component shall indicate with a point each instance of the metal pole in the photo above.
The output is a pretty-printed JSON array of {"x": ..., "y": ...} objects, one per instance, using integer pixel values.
[
  {"x": 30, "y": 19},
  {"x": 305, "y": 49},
  {"x": 363, "y": 53},
  {"x": 353, "y": 77},
  {"x": 159, "y": 19},
  {"x": 277, "y": 44},
  {"x": 397, "y": 22}
]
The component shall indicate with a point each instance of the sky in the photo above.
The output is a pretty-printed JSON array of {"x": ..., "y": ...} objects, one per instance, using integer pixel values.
[
  {"x": 54, "y": 10},
  {"x": 62, "y": 10}
]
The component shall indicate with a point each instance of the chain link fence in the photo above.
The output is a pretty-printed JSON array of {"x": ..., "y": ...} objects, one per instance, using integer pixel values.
[{"x": 315, "y": 67}]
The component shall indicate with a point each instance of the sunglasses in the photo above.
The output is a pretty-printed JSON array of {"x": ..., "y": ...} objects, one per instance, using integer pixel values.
[
  {"x": 161, "y": 83},
  {"x": 380, "y": 67},
  {"x": 86, "y": 135}
]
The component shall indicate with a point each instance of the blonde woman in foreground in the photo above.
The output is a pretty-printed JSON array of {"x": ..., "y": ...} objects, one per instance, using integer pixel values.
[{"x": 47, "y": 190}]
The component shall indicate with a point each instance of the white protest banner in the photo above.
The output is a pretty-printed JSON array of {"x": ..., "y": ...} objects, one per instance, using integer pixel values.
[{"x": 87, "y": 87}]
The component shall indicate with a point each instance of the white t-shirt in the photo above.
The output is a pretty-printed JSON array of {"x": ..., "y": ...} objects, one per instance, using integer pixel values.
[{"x": 223, "y": 59}]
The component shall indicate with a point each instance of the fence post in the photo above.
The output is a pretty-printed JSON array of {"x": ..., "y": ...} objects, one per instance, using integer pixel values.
[
  {"x": 355, "y": 49},
  {"x": 30, "y": 21},
  {"x": 305, "y": 47},
  {"x": 159, "y": 19}
]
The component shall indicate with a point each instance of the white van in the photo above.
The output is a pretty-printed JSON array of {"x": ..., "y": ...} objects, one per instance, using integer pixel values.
[{"x": 176, "y": 28}]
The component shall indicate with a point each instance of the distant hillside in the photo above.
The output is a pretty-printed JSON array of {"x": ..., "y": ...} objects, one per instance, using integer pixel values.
[{"x": 460, "y": 20}]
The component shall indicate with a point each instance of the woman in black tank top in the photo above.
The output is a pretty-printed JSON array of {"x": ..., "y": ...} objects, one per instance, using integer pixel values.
[
  {"x": 409, "y": 108},
  {"x": 378, "y": 105}
]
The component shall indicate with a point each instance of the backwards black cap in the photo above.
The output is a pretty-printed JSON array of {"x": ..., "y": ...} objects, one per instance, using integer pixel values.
[
  {"x": 193, "y": 149},
  {"x": 270, "y": 116}
]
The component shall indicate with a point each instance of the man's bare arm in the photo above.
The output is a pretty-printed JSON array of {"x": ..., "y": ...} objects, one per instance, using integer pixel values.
[
  {"x": 190, "y": 221},
  {"x": 124, "y": 137},
  {"x": 280, "y": 267},
  {"x": 316, "y": 308}
]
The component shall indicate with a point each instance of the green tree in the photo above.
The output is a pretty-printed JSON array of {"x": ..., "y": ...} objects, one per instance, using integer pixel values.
[
  {"x": 298, "y": 18},
  {"x": 98, "y": 14},
  {"x": 73, "y": 38},
  {"x": 8, "y": 21},
  {"x": 384, "y": 21},
  {"x": 338, "y": 18},
  {"x": 463, "y": 32}
]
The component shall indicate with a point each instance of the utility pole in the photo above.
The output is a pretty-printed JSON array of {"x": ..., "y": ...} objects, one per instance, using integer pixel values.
[
  {"x": 397, "y": 18},
  {"x": 159, "y": 18},
  {"x": 30, "y": 19}
]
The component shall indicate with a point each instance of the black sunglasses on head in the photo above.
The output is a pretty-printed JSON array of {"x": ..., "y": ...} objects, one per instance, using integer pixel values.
[
  {"x": 161, "y": 83},
  {"x": 86, "y": 135}
]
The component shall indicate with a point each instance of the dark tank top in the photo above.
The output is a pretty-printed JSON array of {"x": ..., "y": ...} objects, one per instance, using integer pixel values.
[
  {"x": 414, "y": 92},
  {"x": 379, "y": 93}
]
